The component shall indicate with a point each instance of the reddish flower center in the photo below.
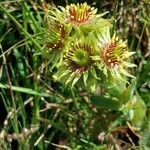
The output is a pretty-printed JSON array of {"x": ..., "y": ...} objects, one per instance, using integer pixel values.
[
  {"x": 112, "y": 56},
  {"x": 59, "y": 28},
  {"x": 58, "y": 34},
  {"x": 80, "y": 14},
  {"x": 79, "y": 17}
]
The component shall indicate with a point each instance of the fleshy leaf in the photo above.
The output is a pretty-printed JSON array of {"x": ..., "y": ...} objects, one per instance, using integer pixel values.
[
  {"x": 139, "y": 111},
  {"x": 127, "y": 95},
  {"x": 105, "y": 103}
]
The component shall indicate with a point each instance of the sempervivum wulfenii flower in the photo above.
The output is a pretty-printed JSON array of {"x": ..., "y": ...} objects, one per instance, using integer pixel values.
[
  {"x": 80, "y": 13},
  {"x": 113, "y": 55},
  {"x": 55, "y": 40},
  {"x": 78, "y": 65},
  {"x": 79, "y": 44},
  {"x": 77, "y": 15}
]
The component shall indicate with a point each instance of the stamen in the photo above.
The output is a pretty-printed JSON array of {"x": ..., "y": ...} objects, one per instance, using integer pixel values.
[
  {"x": 72, "y": 17},
  {"x": 112, "y": 64},
  {"x": 109, "y": 60},
  {"x": 107, "y": 54}
]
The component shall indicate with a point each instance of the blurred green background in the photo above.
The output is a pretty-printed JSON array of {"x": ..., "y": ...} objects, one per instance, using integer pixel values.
[{"x": 38, "y": 113}]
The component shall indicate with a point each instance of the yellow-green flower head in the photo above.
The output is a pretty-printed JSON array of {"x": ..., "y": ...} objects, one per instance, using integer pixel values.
[
  {"x": 55, "y": 40},
  {"x": 113, "y": 55},
  {"x": 78, "y": 57},
  {"x": 78, "y": 64},
  {"x": 77, "y": 14},
  {"x": 80, "y": 14},
  {"x": 56, "y": 35}
]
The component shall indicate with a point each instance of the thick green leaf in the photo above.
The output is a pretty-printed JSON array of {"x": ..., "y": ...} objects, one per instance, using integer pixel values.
[
  {"x": 105, "y": 103},
  {"x": 127, "y": 94},
  {"x": 139, "y": 111}
]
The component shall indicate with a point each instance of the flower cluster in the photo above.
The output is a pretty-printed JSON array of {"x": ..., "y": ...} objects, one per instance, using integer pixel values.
[{"x": 84, "y": 47}]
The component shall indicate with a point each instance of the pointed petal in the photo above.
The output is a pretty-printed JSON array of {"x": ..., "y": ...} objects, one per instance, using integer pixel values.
[
  {"x": 94, "y": 73},
  {"x": 58, "y": 74},
  {"x": 65, "y": 73},
  {"x": 128, "y": 54},
  {"x": 70, "y": 78},
  {"x": 100, "y": 66},
  {"x": 95, "y": 57},
  {"x": 102, "y": 14},
  {"x": 75, "y": 80},
  {"x": 117, "y": 74},
  {"x": 129, "y": 64},
  {"x": 85, "y": 76},
  {"x": 105, "y": 71},
  {"x": 126, "y": 73}
]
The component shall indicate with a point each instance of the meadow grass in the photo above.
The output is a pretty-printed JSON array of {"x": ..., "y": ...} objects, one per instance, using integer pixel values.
[{"x": 39, "y": 113}]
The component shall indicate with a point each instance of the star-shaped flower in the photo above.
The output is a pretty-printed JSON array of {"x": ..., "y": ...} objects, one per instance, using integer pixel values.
[
  {"x": 78, "y": 64},
  {"x": 113, "y": 55}
]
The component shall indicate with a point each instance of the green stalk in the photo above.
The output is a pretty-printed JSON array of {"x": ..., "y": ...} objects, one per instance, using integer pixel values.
[{"x": 20, "y": 27}]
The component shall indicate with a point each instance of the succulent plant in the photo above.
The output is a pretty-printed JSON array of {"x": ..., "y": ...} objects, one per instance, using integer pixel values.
[
  {"x": 79, "y": 43},
  {"x": 78, "y": 15}
]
